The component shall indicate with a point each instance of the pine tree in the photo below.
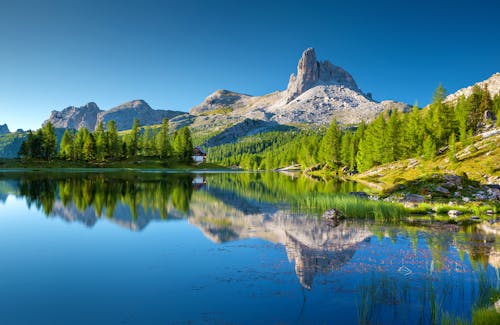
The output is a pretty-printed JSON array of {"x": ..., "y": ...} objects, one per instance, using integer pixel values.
[
  {"x": 496, "y": 108},
  {"x": 25, "y": 149},
  {"x": 345, "y": 149},
  {"x": 452, "y": 149},
  {"x": 101, "y": 142},
  {"x": 66, "y": 147},
  {"x": 49, "y": 141},
  {"x": 412, "y": 136},
  {"x": 330, "y": 145},
  {"x": 163, "y": 146},
  {"x": 89, "y": 147},
  {"x": 429, "y": 147},
  {"x": 441, "y": 117},
  {"x": 462, "y": 112},
  {"x": 133, "y": 143},
  {"x": 392, "y": 138},
  {"x": 78, "y": 143},
  {"x": 486, "y": 103},
  {"x": 147, "y": 141},
  {"x": 183, "y": 144},
  {"x": 114, "y": 146},
  {"x": 474, "y": 101}
]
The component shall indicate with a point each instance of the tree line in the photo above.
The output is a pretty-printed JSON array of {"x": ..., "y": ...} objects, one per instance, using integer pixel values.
[
  {"x": 392, "y": 136},
  {"x": 106, "y": 144},
  {"x": 142, "y": 195}
]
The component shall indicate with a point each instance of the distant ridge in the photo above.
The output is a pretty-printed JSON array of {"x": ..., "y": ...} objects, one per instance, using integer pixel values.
[
  {"x": 90, "y": 115},
  {"x": 4, "y": 129},
  {"x": 492, "y": 84}
]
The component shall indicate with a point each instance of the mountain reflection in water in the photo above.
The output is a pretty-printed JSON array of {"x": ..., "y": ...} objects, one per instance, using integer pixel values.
[{"x": 229, "y": 207}]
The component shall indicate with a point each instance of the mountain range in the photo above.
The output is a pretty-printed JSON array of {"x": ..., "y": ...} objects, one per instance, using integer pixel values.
[{"x": 317, "y": 93}]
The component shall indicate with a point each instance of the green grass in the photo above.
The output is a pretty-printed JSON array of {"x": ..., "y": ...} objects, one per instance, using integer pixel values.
[
  {"x": 351, "y": 206},
  {"x": 218, "y": 111},
  {"x": 485, "y": 316},
  {"x": 135, "y": 164}
]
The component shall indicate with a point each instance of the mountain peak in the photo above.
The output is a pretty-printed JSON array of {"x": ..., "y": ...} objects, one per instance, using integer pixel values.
[
  {"x": 492, "y": 84},
  {"x": 73, "y": 117},
  {"x": 311, "y": 73},
  {"x": 4, "y": 129},
  {"x": 133, "y": 104}
]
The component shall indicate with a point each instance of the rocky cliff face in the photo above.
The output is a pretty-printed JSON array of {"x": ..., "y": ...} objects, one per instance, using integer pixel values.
[
  {"x": 312, "y": 73},
  {"x": 90, "y": 115},
  {"x": 4, "y": 129},
  {"x": 125, "y": 114},
  {"x": 74, "y": 117},
  {"x": 492, "y": 84},
  {"x": 319, "y": 92}
]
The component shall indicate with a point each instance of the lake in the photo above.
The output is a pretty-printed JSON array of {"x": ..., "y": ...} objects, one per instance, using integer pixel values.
[{"x": 149, "y": 247}]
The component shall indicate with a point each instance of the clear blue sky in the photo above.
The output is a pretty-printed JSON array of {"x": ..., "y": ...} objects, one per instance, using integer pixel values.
[{"x": 173, "y": 54}]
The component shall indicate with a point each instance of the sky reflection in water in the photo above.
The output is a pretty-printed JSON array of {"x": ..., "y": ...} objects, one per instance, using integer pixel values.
[{"x": 222, "y": 248}]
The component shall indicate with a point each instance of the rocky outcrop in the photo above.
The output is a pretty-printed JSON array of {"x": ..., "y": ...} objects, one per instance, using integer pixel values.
[
  {"x": 73, "y": 117},
  {"x": 218, "y": 100},
  {"x": 4, "y": 129},
  {"x": 90, "y": 115},
  {"x": 492, "y": 84},
  {"x": 319, "y": 92},
  {"x": 125, "y": 114},
  {"x": 311, "y": 73}
]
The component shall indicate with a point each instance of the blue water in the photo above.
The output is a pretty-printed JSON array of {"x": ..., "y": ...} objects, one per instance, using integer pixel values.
[{"x": 218, "y": 263}]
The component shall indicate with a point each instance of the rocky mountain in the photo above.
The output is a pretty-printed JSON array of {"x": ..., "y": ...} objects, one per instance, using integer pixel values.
[
  {"x": 317, "y": 93},
  {"x": 311, "y": 73},
  {"x": 492, "y": 84},
  {"x": 125, "y": 114},
  {"x": 4, "y": 129},
  {"x": 90, "y": 115},
  {"x": 73, "y": 117}
]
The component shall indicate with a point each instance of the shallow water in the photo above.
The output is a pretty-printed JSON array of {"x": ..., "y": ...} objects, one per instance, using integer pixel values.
[{"x": 156, "y": 248}]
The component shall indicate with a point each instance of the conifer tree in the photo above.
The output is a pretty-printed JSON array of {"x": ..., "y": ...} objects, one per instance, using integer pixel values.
[
  {"x": 78, "y": 143},
  {"x": 147, "y": 141},
  {"x": 66, "y": 147},
  {"x": 101, "y": 142},
  {"x": 412, "y": 136},
  {"x": 163, "y": 146},
  {"x": 89, "y": 147},
  {"x": 486, "y": 103},
  {"x": 452, "y": 149},
  {"x": 133, "y": 143},
  {"x": 462, "y": 112},
  {"x": 429, "y": 147},
  {"x": 114, "y": 147},
  {"x": 330, "y": 145},
  {"x": 49, "y": 141},
  {"x": 345, "y": 149},
  {"x": 475, "y": 100},
  {"x": 183, "y": 144},
  {"x": 392, "y": 138}
]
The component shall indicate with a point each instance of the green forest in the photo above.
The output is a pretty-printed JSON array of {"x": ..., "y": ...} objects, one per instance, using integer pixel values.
[
  {"x": 106, "y": 144},
  {"x": 392, "y": 136}
]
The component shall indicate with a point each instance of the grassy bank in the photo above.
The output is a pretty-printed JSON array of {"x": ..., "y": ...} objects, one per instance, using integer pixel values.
[{"x": 125, "y": 164}]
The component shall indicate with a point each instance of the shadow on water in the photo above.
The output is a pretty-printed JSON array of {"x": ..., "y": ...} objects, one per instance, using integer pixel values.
[{"x": 397, "y": 272}]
